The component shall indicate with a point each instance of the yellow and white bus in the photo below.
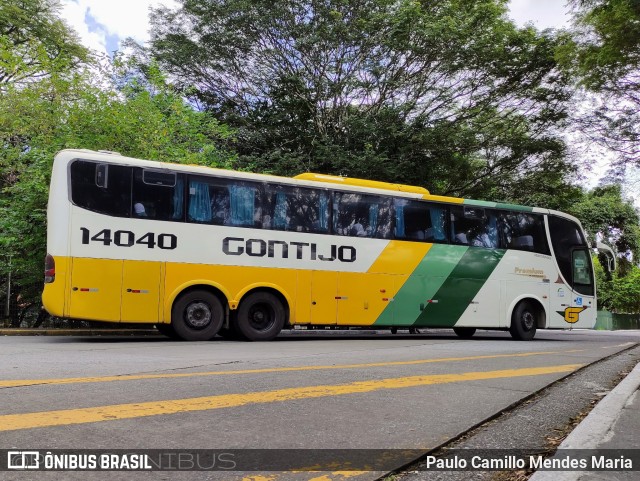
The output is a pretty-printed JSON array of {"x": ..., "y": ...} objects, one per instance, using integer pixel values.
[{"x": 199, "y": 252}]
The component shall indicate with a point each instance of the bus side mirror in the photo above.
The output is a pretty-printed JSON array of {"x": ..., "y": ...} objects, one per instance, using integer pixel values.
[{"x": 608, "y": 252}]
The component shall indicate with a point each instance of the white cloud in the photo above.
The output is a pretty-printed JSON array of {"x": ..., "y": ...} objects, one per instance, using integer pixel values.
[
  {"x": 125, "y": 18},
  {"x": 116, "y": 18},
  {"x": 74, "y": 14},
  {"x": 542, "y": 13}
]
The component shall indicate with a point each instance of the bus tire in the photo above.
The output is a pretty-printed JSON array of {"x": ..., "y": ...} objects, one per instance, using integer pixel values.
[
  {"x": 261, "y": 316},
  {"x": 197, "y": 316},
  {"x": 464, "y": 332},
  {"x": 524, "y": 321}
]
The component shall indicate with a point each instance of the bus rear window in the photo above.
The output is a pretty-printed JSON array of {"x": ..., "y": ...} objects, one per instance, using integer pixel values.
[{"x": 102, "y": 188}]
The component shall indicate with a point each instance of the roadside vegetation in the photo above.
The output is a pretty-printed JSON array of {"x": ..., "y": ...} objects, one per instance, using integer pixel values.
[{"x": 450, "y": 95}]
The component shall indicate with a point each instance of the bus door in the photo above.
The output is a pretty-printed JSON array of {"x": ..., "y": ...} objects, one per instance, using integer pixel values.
[
  {"x": 95, "y": 289},
  {"x": 583, "y": 286},
  {"x": 324, "y": 297},
  {"x": 140, "y": 291}
]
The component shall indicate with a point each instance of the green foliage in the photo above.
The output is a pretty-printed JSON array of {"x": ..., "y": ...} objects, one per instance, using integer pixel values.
[
  {"x": 604, "y": 288},
  {"x": 606, "y": 215},
  {"x": 618, "y": 293},
  {"x": 34, "y": 42},
  {"x": 625, "y": 292},
  {"x": 44, "y": 117},
  {"x": 447, "y": 94},
  {"x": 602, "y": 52}
]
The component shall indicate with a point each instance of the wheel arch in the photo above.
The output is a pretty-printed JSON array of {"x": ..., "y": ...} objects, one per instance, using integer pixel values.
[
  {"x": 542, "y": 316},
  {"x": 271, "y": 289},
  {"x": 214, "y": 288}
]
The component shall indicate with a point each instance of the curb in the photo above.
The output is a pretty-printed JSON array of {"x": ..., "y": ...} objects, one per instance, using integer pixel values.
[
  {"x": 78, "y": 332},
  {"x": 596, "y": 427}
]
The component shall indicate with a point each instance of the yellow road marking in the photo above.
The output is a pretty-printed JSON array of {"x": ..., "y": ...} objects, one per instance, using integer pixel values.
[
  {"x": 10, "y": 422},
  {"x": 137, "y": 377},
  {"x": 342, "y": 474},
  {"x": 619, "y": 345}
]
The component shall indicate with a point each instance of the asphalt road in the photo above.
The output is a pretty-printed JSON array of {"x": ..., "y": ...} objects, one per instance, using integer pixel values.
[{"x": 305, "y": 390}]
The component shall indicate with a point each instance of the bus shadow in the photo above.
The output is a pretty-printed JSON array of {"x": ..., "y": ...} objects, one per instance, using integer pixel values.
[{"x": 306, "y": 336}]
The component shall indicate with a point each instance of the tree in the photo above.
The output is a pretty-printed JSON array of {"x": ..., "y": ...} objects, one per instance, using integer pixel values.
[
  {"x": 607, "y": 216},
  {"x": 602, "y": 52},
  {"x": 625, "y": 292},
  {"x": 35, "y": 42},
  {"x": 448, "y": 94},
  {"x": 41, "y": 118}
]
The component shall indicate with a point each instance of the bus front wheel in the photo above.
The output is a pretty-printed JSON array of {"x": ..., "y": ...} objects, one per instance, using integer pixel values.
[
  {"x": 524, "y": 321},
  {"x": 197, "y": 316},
  {"x": 261, "y": 316}
]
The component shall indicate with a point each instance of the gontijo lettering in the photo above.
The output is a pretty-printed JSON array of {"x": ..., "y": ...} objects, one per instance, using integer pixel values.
[{"x": 237, "y": 246}]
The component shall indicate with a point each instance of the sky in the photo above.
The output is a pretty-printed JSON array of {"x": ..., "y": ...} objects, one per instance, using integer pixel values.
[{"x": 103, "y": 24}]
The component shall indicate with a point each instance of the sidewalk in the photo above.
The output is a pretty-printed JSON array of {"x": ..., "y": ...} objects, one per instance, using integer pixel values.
[{"x": 614, "y": 423}]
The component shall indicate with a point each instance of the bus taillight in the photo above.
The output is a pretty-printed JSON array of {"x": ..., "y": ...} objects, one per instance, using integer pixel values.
[{"x": 49, "y": 269}]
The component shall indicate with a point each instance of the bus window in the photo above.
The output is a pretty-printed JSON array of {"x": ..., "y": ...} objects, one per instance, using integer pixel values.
[
  {"x": 419, "y": 221},
  {"x": 360, "y": 215},
  {"x": 102, "y": 188},
  {"x": 581, "y": 266},
  {"x": 158, "y": 195},
  {"x": 523, "y": 231},
  {"x": 224, "y": 202},
  {"x": 296, "y": 209},
  {"x": 474, "y": 226},
  {"x": 570, "y": 249}
]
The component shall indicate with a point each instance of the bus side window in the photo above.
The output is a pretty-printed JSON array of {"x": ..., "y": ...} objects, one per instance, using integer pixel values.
[
  {"x": 297, "y": 209},
  {"x": 459, "y": 227},
  {"x": 359, "y": 215},
  {"x": 524, "y": 231},
  {"x": 158, "y": 195},
  {"x": 419, "y": 220}
]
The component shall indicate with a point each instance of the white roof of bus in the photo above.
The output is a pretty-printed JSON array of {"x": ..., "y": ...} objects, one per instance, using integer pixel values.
[{"x": 68, "y": 155}]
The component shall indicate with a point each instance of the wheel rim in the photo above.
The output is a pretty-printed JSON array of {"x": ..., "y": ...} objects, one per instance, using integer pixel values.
[
  {"x": 261, "y": 317},
  {"x": 528, "y": 320},
  {"x": 198, "y": 315}
]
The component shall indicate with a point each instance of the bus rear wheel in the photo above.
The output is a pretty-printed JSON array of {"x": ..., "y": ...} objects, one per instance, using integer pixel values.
[
  {"x": 197, "y": 316},
  {"x": 464, "y": 332},
  {"x": 261, "y": 317},
  {"x": 524, "y": 321}
]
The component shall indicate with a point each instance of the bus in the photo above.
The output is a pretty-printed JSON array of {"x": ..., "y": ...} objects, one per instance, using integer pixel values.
[{"x": 200, "y": 252}]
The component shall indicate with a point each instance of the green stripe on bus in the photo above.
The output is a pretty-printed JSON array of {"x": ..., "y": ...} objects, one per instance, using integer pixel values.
[
  {"x": 479, "y": 203},
  {"x": 499, "y": 205},
  {"x": 460, "y": 288},
  {"x": 519, "y": 208},
  {"x": 422, "y": 284}
]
